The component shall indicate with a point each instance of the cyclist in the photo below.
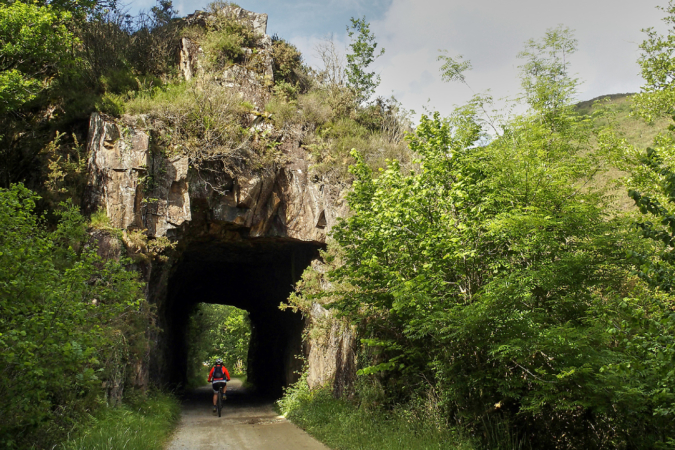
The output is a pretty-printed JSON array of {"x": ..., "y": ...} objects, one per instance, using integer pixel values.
[{"x": 218, "y": 376}]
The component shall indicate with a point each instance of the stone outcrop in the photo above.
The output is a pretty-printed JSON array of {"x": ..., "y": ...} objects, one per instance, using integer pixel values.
[
  {"x": 256, "y": 21},
  {"x": 331, "y": 356},
  {"x": 189, "y": 55},
  {"x": 143, "y": 190},
  {"x": 236, "y": 75},
  {"x": 224, "y": 212}
]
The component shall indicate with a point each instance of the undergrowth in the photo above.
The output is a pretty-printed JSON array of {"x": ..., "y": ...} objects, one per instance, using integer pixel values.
[
  {"x": 344, "y": 424},
  {"x": 139, "y": 425}
]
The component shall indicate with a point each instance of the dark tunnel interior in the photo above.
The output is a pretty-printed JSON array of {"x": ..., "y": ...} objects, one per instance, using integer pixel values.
[{"x": 256, "y": 275}]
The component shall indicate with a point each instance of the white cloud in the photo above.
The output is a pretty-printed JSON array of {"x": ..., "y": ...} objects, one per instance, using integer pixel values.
[{"x": 490, "y": 33}]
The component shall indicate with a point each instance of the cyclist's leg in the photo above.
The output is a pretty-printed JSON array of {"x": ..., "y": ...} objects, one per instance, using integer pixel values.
[{"x": 215, "y": 393}]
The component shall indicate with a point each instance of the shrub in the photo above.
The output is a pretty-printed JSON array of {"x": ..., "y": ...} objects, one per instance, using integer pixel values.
[
  {"x": 287, "y": 62},
  {"x": 284, "y": 112},
  {"x": 111, "y": 104},
  {"x": 314, "y": 108},
  {"x": 68, "y": 322},
  {"x": 224, "y": 37},
  {"x": 222, "y": 48}
]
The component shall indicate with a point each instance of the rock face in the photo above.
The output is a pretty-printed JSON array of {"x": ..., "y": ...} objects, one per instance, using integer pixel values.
[
  {"x": 190, "y": 53},
  {"x": 256, "y": 21},
  {"x": 143, "y": 190},
  {"x": 257, "y": 228},
  {"x": 331, "y": 357}
]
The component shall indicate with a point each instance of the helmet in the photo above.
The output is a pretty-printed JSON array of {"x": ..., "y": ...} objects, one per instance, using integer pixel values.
[{"x": 219, "y": 361}]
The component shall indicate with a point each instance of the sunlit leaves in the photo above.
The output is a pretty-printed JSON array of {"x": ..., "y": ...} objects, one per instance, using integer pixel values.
[
  {"x": 63, "y": 313},
  {"x": 35, "y": 45}
]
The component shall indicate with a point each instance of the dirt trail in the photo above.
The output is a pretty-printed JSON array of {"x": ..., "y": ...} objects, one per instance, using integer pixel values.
[{"x": 246, "y": 423}]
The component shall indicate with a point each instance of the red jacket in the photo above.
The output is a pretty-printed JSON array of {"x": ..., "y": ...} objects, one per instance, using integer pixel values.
[{"x": 227, "y": 374}]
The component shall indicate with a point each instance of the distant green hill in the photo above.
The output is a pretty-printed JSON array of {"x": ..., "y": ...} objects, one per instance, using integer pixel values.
[{"x": 634, "y": 129}]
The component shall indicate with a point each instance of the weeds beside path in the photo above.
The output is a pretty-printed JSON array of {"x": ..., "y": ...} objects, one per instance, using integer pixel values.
[
  {"x": 145, "y": 425},
  {"x": 342, "y": 425}
]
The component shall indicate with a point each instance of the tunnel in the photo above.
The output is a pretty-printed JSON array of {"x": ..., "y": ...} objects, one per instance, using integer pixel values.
[{"x": 255, "y": 275}]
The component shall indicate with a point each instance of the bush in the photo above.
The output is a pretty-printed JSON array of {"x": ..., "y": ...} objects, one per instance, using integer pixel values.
[
  {"x": 287, "y": 62},
  {"x": 222, "y": 48},
  {"x": 284, "y": 112},
  {"x": 114, "y": 41},
  {"x": 224, "y": 37},
  {"x": 68, "y": 322}
]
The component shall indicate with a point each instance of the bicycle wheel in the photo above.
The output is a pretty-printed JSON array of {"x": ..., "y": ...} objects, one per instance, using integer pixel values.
[{"x": 220, "y": 400}]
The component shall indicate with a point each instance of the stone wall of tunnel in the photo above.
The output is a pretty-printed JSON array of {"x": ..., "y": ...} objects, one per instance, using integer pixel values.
[
  {"x": 222, "y": 232},
  {"x": 256, "y": 275}
]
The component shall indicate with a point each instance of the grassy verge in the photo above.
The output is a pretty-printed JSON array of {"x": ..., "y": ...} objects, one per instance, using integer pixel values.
[
  {"x": 145, "y": 425},
  {"x": 342, "y": 425}
]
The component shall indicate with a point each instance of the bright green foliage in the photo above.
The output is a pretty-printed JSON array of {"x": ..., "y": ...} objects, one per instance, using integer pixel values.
[
  {"x": 493, "y": 279},
  {"x": 656, "y": 263},
  {"x": 35, "y": 46},
  {"x": 453, "y": 68},
  {"x": 67, "y": 321},
  {"x": 217, "y": 331},
  {"x": 78, "y": 8},
  {"x": 546, "y": 82},
  {"x": 657, "y": 65},
  {"x": 652, "y": 181},
  {"x": 362, "y": 55}
]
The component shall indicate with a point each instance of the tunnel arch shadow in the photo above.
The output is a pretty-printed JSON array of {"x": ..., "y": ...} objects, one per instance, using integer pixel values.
[{"x": 255, "y": 275}]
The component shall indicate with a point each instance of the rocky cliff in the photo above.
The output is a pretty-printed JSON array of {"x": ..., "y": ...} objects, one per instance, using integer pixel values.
[{"x": 231, "y": 232}]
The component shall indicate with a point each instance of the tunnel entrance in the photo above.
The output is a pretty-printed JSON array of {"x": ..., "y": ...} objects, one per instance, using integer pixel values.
[{"x": 255, "y": 275}]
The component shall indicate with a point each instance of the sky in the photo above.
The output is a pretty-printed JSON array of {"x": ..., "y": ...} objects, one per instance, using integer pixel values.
[{"x": 490, "y": 33}]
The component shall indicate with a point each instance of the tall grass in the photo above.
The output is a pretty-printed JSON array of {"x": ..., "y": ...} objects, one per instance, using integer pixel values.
[
  {"x": 343, "y": 425},
  {"x": 143, "y": 425}
]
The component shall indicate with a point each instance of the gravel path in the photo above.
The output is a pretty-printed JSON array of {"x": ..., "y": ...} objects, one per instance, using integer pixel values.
[{"x": 246, "y": 423}]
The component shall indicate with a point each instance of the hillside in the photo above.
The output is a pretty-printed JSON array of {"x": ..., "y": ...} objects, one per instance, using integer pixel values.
[{"x": 635, "y": 130}]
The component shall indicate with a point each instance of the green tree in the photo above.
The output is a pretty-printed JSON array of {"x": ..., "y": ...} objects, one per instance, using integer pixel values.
[
  {"x": 35, "y": 47},
  {"x": 652, "y": 181},
  {"x": 69, "y": 321},
  {"x": 218, "y": 331},
  {"x": 362, "y": 55},
  {"x": 495, "y": 278},
  {"x": 547, "y": 84}
]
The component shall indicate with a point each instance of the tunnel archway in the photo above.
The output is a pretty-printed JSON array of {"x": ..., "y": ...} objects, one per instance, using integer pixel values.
[{"x": 256, "y": 275}]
